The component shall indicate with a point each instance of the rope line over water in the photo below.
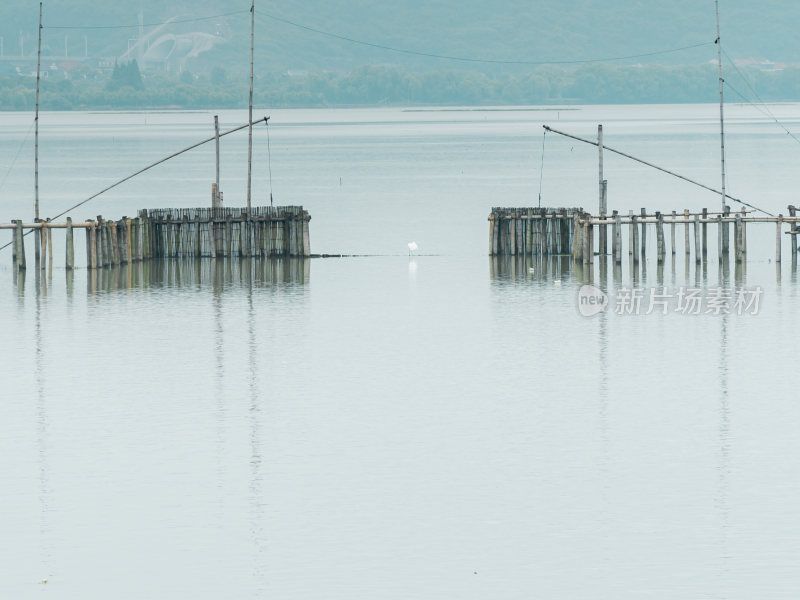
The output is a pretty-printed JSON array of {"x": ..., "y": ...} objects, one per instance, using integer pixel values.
[
  {"x": 147, "y": 168},
  {"x": 663, "y": 170},
  {"x": 762, "y": 106}
]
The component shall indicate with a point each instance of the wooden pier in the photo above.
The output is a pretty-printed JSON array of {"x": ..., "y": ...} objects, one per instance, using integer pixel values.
[
  {"x": 534, "y": 231},
  {"x": 542, "y": 231},
  {"x": 175, "y": 233}
]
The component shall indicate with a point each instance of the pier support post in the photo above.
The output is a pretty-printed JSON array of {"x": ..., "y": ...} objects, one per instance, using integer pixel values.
[
  {"x": 146, "y": 238},
  {"x": 660, "y": 254},
  {"x": 618, "y": 238},
  {"x": 19, "y": 243},
  {"x": 634, "y": 239},
  {"x": 726, "y": 231},
  {"x": 14, "y": 245},
  {"x": 687, "y": 247},
  {"x": 719, "y": 237},
  {"x": 697, "y": 251},
  {"x": 672, "y": 233},
  {"x": 91, "y": 237},
  {"x": 794, "y": 230},
  {"x": 97, "y": 239},
  {"x": 738, "y": 240},
  {"x": 744, "y": 233},
  {"x": 227, "y": 242},
  {"x": 631, "y": 227},
  {"x": 614, "y": 231},
  {"x": 307, "y": 237},
  {"x": 585, "y": 239},
  {"x": 778, "y": 239},
  {"x": 128, "y": 241},
  {"x": 43, "y": 239},
  {"x": 528, "y": 233},
  {"x": 70, "y": 249},
  {"x": 705, "y": 233},
  {"x": 644, "y": 234},
  {"x": 114, "y": 238},
  {"x": 492, "y": 249},
  {"x": 603, "y": 229}
]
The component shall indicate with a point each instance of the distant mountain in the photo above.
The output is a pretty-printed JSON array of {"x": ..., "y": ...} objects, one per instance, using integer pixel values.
[{"x": 308, "y": 35}]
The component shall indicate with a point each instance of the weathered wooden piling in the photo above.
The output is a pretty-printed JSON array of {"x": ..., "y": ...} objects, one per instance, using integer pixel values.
[
  {"x": 586, "y": 243},
  {"x": 726, "y": 231},
  {"x": 779, "y": 224},
  {"x": 512, "y": 231},
  {"x": 686, "y": 246},
  {"x": 521, "y": 237},
  {"x": 672, "y": 233},
  {"x": 738, "y": 238},
  {"x": 19, "y": 246},
  {"x": 43, "y": 241},
  {"x": 634, "y": 239},
  {"x": 744, "y": 231},
  {"x": 644, "y": 234},
  {"x": 70, "y": 247},
  {"x": 794, "y": 231},
  {"x": 705, "y": 233},
  {"x": 697, "y": 252}
]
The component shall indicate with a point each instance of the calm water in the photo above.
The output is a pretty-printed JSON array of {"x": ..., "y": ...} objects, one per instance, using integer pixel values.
[{"x": 442, "y": 426}]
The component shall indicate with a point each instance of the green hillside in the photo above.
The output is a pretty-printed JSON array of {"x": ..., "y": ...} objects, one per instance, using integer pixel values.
[
  {"x": 505, "y": 30},
  {"x": 195, "y": 54}
]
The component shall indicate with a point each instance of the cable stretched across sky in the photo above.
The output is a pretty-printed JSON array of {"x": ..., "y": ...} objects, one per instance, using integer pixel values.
[
  {"x": 479, "y": 60},
  {"x": 136, "y": 26},
  {"x": 408, "y": 51}
]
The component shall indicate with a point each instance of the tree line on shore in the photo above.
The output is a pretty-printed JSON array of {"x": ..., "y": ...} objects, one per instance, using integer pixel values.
[{"x": 127, "y": 88}]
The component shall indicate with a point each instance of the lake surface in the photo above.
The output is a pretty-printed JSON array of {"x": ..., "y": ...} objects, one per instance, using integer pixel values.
[{"x": 384, "y": 426}]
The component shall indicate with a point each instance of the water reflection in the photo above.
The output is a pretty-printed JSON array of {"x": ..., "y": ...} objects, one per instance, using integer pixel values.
[
  {"x": 536, "y": 268},
  {"x": 219, "y": 273},
  {"x": 257, "y": 513},
  {"x": 42, "y": 425}
]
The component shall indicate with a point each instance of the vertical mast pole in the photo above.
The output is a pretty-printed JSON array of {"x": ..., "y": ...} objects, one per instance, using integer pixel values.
[
  {"x": 721, "y": 113},
  {"x": 216, "y": 135},
  {"x": 601, "y": 205},
  {"x": 36, "y": 135},
  {"x": 250, "y": 120}
]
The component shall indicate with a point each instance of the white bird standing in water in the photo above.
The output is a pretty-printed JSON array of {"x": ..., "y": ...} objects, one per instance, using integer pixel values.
[{"x": 411, "y": 247}]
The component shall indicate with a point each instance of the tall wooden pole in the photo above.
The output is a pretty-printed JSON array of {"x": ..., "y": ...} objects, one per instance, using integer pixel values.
[
  {"x": 36, "y": 136},
  {"x": 215, "y": 202},
  {"x": 721, "y": 104},
  {"x": 602, "y": 189},
  {"x": 250, "y": 119},
  {"x": 600, "y": 152}
]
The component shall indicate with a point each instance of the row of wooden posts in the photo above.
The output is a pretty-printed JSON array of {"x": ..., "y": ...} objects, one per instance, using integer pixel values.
[
  {"x": 541, "y": 231},
  {"x": 533, "y": 231},
  {"x": 173, "y": 233}
]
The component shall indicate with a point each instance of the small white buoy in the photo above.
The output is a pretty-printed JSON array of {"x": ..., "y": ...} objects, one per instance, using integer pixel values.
[
  {"x": 557, "y": 282},
  {"x": 44, "y": 580},
  {"x": 411, "y": 247},
  {"x": 530, "y": 270}
]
